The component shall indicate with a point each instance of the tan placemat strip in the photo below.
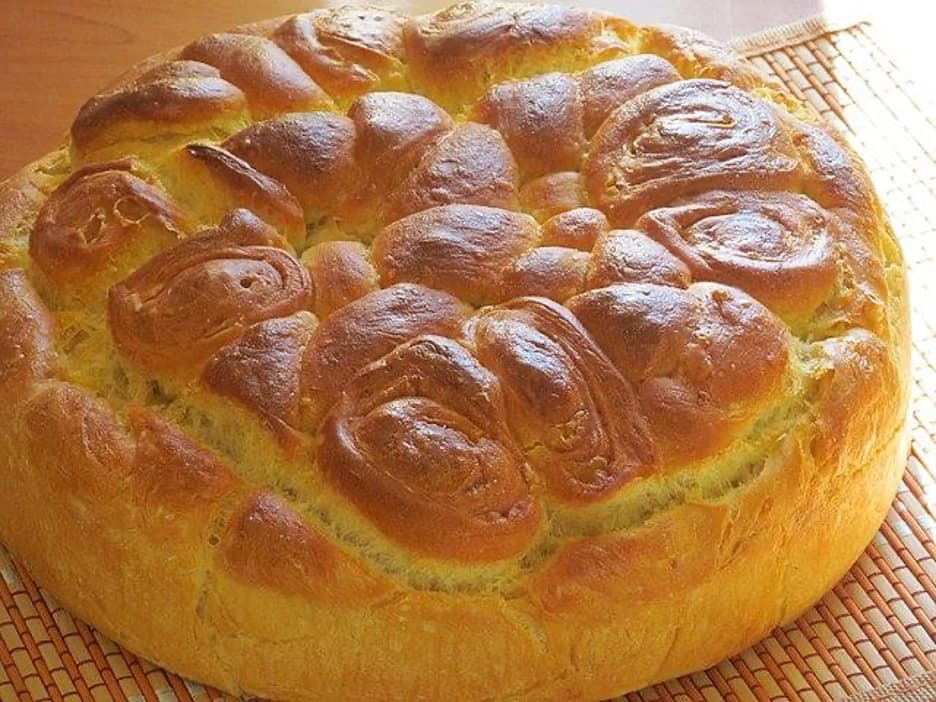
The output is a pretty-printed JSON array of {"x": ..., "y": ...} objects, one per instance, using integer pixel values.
[
  {"x": 787, "y": 35},
  {"x": 920, "y": 688}
]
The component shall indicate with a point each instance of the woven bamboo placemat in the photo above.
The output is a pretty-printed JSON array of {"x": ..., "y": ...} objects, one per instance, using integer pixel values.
[{"x": 872, "y": 638}]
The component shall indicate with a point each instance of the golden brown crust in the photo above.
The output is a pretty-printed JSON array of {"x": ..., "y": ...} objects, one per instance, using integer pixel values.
[
  {"x": 393, "y": 132},
  {"x": 171, "y": 471},
  {"x": 455, "y": 54},
  {"x": 553, "y": 194},
  {"x": 99, "y": 213},
  {"x": 92, "y": 457},
  {"x": 242, "y": 185},
  {"x": 609, "y": 85},
  {"x": 682, "y": 138},
  {"x": 348, "y": 51},
  {"x": 365, "y": 331},
  {"x": 555, "y": 272},
  {"x": 461, "y": 249},
  {"x": 266, "y": 543},
  {"x": 20, "y": 199},
  {"x": 173, "y": 97},
  {"x": 705, "y": 359},
  {"x": 776, "y": 246},
  {"x": 578, "y": 228},
  {"x": 471, "y": 165},
  {"x": 341, "y": 273},
  {"x": 157, "y": 315},
  {"x": 542, "y": 121},
  {"x": 311, "y": 153},
  {"x": 245, "y": 355},
  {"x": 696, "y": 55},
  {"x": 26, "y": 336},
  {"x": 628, "y": 256},
  {"x": 261, "y": 369},
  {"x": 419, "y": 442},
  {"x": 852, "y": 388},
  {"x": 601, "y": 579},
  {"x": 589, "y": 438},
  {"x": 270, "y": 79}
]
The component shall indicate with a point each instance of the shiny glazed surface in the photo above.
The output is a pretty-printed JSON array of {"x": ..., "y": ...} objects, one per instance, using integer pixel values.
[{"x": 378, "y": 308}]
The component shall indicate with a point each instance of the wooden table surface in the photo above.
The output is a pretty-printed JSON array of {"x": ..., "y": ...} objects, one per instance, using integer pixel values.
[{"x": 54, "y": 54}]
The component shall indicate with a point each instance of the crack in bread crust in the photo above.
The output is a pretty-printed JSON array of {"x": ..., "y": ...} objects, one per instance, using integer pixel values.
[{"x": 516, "y": 325}]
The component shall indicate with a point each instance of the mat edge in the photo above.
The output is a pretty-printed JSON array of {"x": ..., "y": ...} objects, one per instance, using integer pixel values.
[{"x": 792, "y": 34}]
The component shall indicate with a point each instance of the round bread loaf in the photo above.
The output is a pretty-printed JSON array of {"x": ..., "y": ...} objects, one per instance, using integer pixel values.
[{"x": 510, "y": 352}]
